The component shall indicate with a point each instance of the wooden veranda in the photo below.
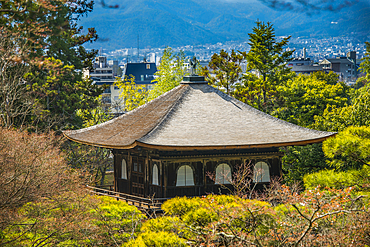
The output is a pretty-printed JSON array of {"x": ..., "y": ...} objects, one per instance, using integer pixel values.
[{"x": 147, "y": 205}]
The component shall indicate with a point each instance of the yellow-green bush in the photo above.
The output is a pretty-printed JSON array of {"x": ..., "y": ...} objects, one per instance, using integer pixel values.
[
  {"x": 165, "y": 223},
  {"x": 337, "y": 180},
  {"x": 200, "y": 217},
  {"x": 118, "y": 216},
  {"x": 224, "y": 199},
  {"x": 73, "y": 220},
  {"x": 157, "y": 239},
  {"x": 181, "y": 205}
]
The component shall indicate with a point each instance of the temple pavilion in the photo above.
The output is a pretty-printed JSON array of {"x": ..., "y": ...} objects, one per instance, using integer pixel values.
[{"x": 170, "y": 146}]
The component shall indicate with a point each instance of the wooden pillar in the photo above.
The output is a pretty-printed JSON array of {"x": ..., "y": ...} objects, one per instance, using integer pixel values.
[
  {"x": 115, "y": 170},
  {"x": 161, "y": 178},
  {"x": 165, "y": 180},
  {"x": 280, "y": 164},
  {"x": 146, "y": 175},
  {"x": 204, "y": 176},
  {"x": 129, "y": 173}
]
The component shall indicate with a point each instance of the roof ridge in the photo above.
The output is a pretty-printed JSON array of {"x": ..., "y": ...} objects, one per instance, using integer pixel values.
[
  {"x": 263, "y": 114},
  {"x": 128, "y": 114},
  {"x": 154, "y": 100},
  {"x": 186, "y": 86}
]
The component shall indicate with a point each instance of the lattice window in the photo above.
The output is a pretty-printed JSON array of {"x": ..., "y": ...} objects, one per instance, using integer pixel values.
[
  {"x": 155, "y": 175},
  {"x": 124, "y": 169},
  {"x": 185, "y": 176},
  {"x": 223, "y": 174},
  {"x": 261, "y": 172}
]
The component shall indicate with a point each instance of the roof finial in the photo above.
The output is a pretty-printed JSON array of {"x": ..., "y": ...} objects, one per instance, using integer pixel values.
[
  {"x": 193, "y": 77},
  {"x": 193, "y": 65}
]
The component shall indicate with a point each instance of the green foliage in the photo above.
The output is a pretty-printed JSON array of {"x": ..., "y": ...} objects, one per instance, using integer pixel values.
[
  {"x": 132, "y": 95},
  {"x": 58, "y": 95},
  {"x": 165, "y": 223},
  {"x": 266, "y": 66},
  {"x": 313, "y": 217},
  {"x": 169, "y": 73},
  {"x": 307, "y": 96},
  {"x": 50, "y": 28},
  {"x": 197, "y": 213},
  {"x": 338, "y": 180},
  {"x": 200, "y": 217},
  {"x": 227, "y": 70},
  {"x": 74, "y": 220},
  {"x": 329, "y": 178},
  {"x": 181, "y": 205},
  {"x": 360, "y": 82},
  {"x": 301, "y": 160},
  {"x": 157, "y": 239},
  {"x": 365, "y": 64},
  {"x": 350, "y": 148},
  {"x": 91, "y": 117},
  {"x": 333, "y": 118},
  {"x": 120, "y": 218},
  {"x": 360, "y": 108},
  {"x": 47, "y": 40},
  {"x": 357, "y": 113}
]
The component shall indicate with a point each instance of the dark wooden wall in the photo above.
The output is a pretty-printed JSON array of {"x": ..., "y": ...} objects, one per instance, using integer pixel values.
[{"x": 140, "y": 173}]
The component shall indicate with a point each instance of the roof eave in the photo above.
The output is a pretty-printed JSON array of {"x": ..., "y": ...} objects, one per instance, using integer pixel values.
[
  {"x": 250, "y": 146},
  {"x": 184, "y": 148},
  {"x": 130, "y": 146},
  {"x": 187, "y": 148}
]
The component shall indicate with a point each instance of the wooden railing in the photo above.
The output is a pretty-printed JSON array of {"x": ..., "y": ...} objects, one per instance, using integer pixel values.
[{"x": 139, "y": 202}]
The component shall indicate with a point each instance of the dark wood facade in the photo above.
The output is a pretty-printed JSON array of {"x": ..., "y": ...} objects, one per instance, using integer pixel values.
[{"x": 140, "y": 163}]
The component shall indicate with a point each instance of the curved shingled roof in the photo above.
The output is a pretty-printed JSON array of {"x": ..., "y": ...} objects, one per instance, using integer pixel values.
[{"x": 196, "y": 116}]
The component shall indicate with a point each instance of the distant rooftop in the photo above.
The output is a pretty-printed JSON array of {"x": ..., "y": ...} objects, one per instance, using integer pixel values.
[{"x": 143, "y": 72}]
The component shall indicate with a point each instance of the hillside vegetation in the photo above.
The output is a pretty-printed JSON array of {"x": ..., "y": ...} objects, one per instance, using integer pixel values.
[{"x": 160, "y": 23}]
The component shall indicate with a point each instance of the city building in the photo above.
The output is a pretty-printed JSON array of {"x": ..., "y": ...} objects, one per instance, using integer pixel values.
[
  {"x": 304, "y": 66},
  {"x": 105, "y": 74},
  {"x": 143, "y": 73},
  {"x": 344, "y": 66}
]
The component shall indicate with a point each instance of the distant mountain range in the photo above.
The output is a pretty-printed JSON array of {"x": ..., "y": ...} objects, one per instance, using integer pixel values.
[{"x": 161, "y": 23}]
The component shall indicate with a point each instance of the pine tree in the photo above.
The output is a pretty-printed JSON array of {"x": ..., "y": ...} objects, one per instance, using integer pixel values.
[
  {"x": 50, "y": 41},
  {"x": 266, "y": 67},
  {"x": 227, "y": 70}
]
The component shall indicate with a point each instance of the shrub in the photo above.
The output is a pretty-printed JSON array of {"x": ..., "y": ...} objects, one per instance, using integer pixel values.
[
  {"x": 181, "y": 205},
  {"x": 74, "y": 219},
  {"x": 157, "y": 239},
  {"x": 338, "y": 180},
  {"x": 165, "y": 223},
  {"x": 200, "y": 217},
  {"x": 314, "y": 217}
]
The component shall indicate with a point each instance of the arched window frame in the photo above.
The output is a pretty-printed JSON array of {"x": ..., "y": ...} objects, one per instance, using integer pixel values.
[
  {"x": 263, "y": 177},
  {"x": 155, "y": 174},
  {"x": 223, "y": 177},
  {"x": 192, "y": 182},
  {"x": 123, "y": 169}
]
